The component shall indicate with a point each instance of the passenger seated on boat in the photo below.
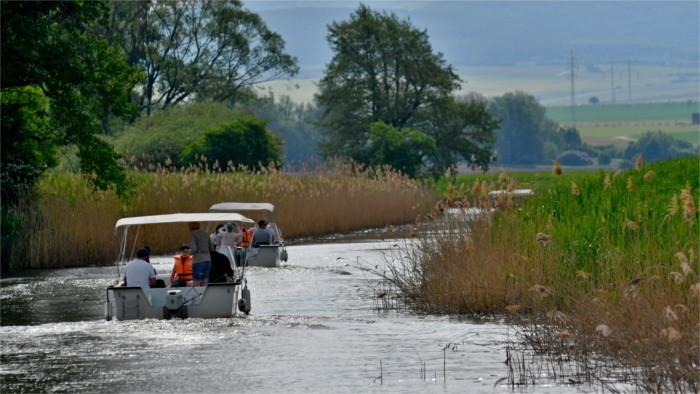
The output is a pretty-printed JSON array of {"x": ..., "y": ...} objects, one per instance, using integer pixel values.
[
  {"x": 213, "y": 235},
  {"x": 182, "y": 269},
  {"x": 139, "y": 272},
  {"x": 220, "y": 268},
  {"x": 246, "y": 237},
  {"x": 271, "y": 230},
  {"x": 261, "y": 236}
]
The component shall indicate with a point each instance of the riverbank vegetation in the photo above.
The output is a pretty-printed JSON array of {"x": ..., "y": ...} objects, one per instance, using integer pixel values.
[
  {"x": 71, "y": 224},
  {"x": 605, "y": 265}
]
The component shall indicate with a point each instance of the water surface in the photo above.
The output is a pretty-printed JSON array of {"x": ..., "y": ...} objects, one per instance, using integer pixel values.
[{"x": 314, "y": 327}]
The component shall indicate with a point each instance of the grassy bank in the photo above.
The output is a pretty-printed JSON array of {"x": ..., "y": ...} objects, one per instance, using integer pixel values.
[
  {"x": 604, "y": 262},
  {"x": 617, "y": 124},
  {"x": 667, "y": 110},
  {"x": 68, "y": 224}
]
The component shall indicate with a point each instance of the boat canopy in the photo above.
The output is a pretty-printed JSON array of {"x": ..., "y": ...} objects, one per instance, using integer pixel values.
[
  {"x": 242, "y": 206},
  {"x": 183, "y": 218}
]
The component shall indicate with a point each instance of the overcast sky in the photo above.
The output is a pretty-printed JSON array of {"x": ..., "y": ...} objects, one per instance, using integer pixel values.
[{"x": 502, "y": 33}]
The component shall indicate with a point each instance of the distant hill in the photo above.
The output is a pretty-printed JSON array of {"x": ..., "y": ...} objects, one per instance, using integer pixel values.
[{"x": 503, "y": 33}]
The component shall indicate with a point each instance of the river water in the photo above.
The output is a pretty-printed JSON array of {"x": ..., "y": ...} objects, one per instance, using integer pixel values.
[{"x": 314, "y": 327}]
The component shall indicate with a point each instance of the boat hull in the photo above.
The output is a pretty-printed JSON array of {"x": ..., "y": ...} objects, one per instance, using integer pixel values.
[
  {"x": 133, "y": 303},
  {"x": 264, "y": 256}
]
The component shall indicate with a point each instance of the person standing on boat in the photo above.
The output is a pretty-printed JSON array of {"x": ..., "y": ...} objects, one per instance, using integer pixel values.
[
  {"x": 182, "y": 270},
  {"x": 261, "y": 236},
  {"x": 226, "y": 243},
  {"x": 200, "y": 246},
  {"x": 139, "y": 272}
]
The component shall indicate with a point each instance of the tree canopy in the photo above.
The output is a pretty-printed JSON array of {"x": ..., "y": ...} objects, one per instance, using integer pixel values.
[
  {"x": 197, "y": 49},
  {"x": 403, "y": 150},
  {"x": 524, "y": 127},
  {"x": 59, "y": 79},
  {"x": 242, "y": 142},
  {"x": 384, "y": 70}
]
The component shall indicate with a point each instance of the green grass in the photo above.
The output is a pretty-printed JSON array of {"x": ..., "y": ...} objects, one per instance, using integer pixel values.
[
  {"x": 675, "y": 110},
  {"x": 619, "y": 133},
  {"x": 539, "y": 182},
  {"x": 617, "y": 124},
  {"x": 593, "y": 226}
]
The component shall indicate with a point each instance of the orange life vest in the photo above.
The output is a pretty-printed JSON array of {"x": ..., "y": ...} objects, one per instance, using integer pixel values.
[
  {"x": 183, "y": 269},
  {"x": 245, "y": 242}
]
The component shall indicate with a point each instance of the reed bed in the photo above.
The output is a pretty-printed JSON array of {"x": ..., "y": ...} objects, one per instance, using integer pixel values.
[
  {"x": 606, "y": 263},
  {"x": 69, "y": 224}
]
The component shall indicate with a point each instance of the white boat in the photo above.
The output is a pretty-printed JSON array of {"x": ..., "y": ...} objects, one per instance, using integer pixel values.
[
  {"x": 265, "y": 255},
  {"x": 211, "y": 301}
]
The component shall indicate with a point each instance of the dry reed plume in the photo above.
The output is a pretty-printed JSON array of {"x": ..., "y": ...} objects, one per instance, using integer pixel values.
[{"x": 71, "y": 225}]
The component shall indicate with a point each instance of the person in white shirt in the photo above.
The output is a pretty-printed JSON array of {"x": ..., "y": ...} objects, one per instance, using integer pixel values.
[
  {"x": 226, "y": 244},
  {"x": 139, "y": 272}
]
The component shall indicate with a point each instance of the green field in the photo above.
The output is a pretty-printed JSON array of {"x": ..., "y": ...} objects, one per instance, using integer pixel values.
[
  {"x": 680, "y": 111},
  {"x": 620, "y": 133},
  {"x": 617, "y": 124}
]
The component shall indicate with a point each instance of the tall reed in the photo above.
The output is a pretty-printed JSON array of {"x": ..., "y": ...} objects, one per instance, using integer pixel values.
[
  {"x": 610, "y": 261},
  {"x": 69, "y": 224}
]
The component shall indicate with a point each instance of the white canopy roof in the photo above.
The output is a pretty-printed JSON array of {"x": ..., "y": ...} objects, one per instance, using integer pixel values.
[
  {"x": 183, "y": 218},
  {"x": 242, "y": 206}
]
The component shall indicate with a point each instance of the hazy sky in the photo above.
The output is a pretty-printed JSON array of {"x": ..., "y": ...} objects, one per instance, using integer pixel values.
[{"x": 501, "y": 33}]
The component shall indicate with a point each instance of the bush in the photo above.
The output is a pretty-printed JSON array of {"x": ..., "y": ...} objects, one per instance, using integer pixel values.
[
  {"x": 604, "y": 159},
  {"x": 161, "y": 137},
  {"x": 243, "y": 142},
  {"x": 575, "y": 158},
  {"x": 657, "y": 145}
]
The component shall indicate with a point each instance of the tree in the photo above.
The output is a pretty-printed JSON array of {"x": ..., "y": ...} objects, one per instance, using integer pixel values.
[
  {"x": 594, "y": 100},
  {"x": 294, "y": 123},
  {"x": 384, "y": 70},
  {"x": 523, "y": 129},
  {"x": 58, "y": 79},
  {"x": 657, "y": 145},
  {"x": 463, "y": 130},
  {"x": 403, "y": 150},
  {"x": 196, "y": 49},
  {"x": 575, "y": 158},
  {"x": 243, "y": 142}
]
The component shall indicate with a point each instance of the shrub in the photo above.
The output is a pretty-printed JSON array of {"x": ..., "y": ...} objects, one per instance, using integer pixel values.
[
  {"x": 575, "y": 158},
  {"x": 243, "y": 142},
  {"x": 604, "y": 159},
  {"x": 160, "y": 138}
]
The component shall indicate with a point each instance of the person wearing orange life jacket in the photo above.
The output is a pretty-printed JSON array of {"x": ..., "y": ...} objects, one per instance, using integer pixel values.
[
  {"x": 182, "y": 270},
  {"x": 247, "y": 236}
]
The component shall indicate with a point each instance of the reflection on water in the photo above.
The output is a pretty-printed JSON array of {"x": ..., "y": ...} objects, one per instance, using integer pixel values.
[{"x": 312, "y": 329}]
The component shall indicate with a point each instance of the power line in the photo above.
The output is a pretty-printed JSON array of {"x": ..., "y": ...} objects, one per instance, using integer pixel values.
[
  {"x": 612, "y": 80},
  {"x": 572, "y": 68}
]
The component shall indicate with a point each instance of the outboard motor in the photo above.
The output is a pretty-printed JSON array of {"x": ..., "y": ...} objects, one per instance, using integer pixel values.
[
  {"x": 244, "y": 302},
  {"x": 175, "y": 304}
]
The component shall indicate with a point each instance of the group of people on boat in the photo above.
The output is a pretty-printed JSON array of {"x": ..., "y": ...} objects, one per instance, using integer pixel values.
[{"x": 207, "y": 258}]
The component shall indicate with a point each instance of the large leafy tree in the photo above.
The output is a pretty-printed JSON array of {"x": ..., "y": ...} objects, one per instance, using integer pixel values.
[
  {"x": 59, "y": 79},
  {"x": 524, "y": 127},
  {"x": 197, "y": 49},
  {"x": 384, "y": 69}
]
